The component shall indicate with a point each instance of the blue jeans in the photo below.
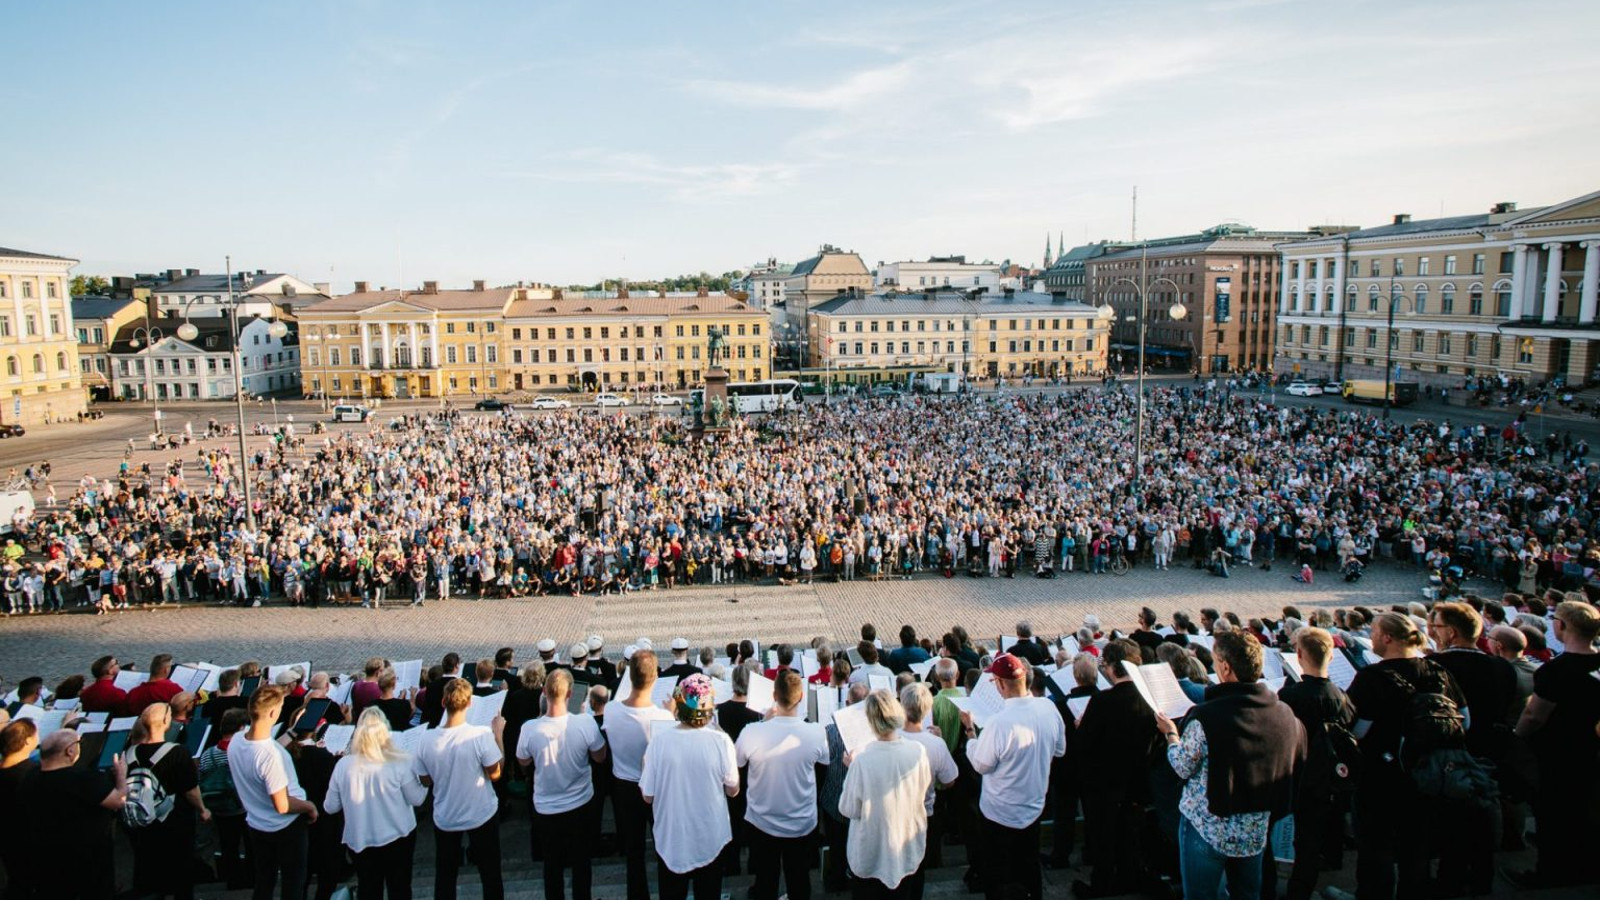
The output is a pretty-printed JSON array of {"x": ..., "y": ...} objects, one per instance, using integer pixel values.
[{"x": 1204, "y": 869}]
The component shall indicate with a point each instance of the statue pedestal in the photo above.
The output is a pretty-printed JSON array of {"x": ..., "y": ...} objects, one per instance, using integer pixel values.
[{"x": 715, "y": 414}]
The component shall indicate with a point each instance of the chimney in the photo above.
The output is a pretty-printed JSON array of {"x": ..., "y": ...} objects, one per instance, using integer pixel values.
[
  {"x": 622, "y": 292},
  {"x": 477, "y": 285},
  {"x": 522, "y": 293},
  {"x": 190, "y": 273},
  {"x": 556, "y": 294},
  {"x": 1402, "y": 218},
  {"x": 152, "y": 308},
  {"x": 1504, "y": 206},
  {"x": 361, "y": 287},
  {"x": 702, "y": 292},
  {"x": 430, "y": 287},
  {"x": 174, "y": 274},
  {"x": 322, "y": 287}
]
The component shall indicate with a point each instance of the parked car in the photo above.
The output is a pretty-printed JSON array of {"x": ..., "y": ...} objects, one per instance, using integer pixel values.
[
  {"x": 550, "y": 403},
  {"x": 1305, "y": 389},
  {"x": 1332, "y": 387},
  {"x": 885, "y": 390},
  {"x": 666, "y": 400},
  {"x": 12, "y": 431},
  {"x": 492, "y": 405},
  {"x": 351, "y": 413},
  {"x": 609, "y": 399}
]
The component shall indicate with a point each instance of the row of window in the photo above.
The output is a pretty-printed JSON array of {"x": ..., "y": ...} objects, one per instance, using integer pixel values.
[
  {"x": 51, "y": 291},
  {"x": 1444, "y": 344},
  {"x": 30, "y": 325},
  {"x": 1397, "y": 267},
  {"x": 860, "y": 348},
  {"x": 622, "y": 331},
  {"x": 1420, "y": 302},
  {"x": 491, "y": 354},
  {"x": 950, "y": 325},
  {"x": 14, "y": 367}
]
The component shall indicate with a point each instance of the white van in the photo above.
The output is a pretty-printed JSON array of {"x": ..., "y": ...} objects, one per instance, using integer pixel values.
[
  {"x": 350, "y": 413},
  {"x": 14, "y": 505}
]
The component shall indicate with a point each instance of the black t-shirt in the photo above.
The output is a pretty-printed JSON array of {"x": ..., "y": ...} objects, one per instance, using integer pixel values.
[
  {"x": 1489, "y": 683},
  {"x": 214, "y": 708},
  {"x": 1568, "y": 681},
  {"x": 13, "y": 781},
  {"x": 733, "y": 716},
  {"x": 1385, "y": 704},
  {"x": 66, "y": 803},
  {"x": 397, "y": 710}
]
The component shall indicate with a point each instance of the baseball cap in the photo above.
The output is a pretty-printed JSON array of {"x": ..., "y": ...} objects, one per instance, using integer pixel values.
[{"x": 1008, "y": 667}]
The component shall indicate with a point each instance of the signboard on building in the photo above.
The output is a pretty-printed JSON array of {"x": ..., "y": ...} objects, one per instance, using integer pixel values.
[{"x": 1224, "y": 293}]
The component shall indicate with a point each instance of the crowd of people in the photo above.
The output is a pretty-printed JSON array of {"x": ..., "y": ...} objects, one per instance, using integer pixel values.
[
  {"x": 448, "y": 505},
  {"x": 1430, "y": 735}
]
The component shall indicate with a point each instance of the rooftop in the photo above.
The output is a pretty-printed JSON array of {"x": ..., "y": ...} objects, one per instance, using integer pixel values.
[
  {"x": 946, "y": 303},
  {"x": 492, "y": 300},
  {"x": 692, "y": 304},
  {"x": 99, "y": 307},
  {"x": 28, "y": 254}
]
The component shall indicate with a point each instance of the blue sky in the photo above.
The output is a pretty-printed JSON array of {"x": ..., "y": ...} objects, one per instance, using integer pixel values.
[{"x": 561, "y": 142}]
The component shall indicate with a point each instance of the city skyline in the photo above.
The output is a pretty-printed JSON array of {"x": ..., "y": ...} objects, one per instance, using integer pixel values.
[{"x": 394, "y": 143}]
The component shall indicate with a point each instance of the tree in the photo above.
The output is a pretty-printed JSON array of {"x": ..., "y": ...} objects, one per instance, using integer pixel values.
[{"x": 90, "y": 285}]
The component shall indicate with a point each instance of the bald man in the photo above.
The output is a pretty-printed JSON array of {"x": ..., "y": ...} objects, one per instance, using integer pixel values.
[{"x": 63, "y": 799}]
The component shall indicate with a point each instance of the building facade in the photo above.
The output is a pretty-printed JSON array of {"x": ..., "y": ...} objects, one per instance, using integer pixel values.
[
  {"x": 1010, "y": 334},
  {"x": 189, "y": 292},
  {"x": 98, "y": 319},
  {"x": 1226, "y": 278},
  {"x": 953, "y": 272},
  {"x": 1068, "y": 277},
  {"x": 1506, "y": 293},
  {"x": 824, "y": 276},
  {"x": 150, "y": 360},
  {"x": 41, "y": 380}
]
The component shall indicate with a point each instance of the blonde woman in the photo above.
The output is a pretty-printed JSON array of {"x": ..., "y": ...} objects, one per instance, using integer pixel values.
[
  {"x": 376, "y": 788},
  {"x": 883, "y": 796}
]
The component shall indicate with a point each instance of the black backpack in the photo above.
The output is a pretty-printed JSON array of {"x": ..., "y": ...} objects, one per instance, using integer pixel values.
[
  {"x": 1344, "y": 757},
  {"x": 1433, "y": 740}
]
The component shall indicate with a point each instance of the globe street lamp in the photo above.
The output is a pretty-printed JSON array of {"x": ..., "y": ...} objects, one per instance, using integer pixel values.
[
  {"x": 152, "y": 337},
  {"x": 1177, "y": 311}
]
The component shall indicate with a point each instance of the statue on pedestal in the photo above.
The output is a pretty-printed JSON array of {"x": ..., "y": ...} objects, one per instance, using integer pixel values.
[{"x": 716, "y": 347}]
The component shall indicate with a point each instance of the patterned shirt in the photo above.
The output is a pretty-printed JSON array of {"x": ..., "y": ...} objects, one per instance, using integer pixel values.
[{"x": 1241, "y": 835}]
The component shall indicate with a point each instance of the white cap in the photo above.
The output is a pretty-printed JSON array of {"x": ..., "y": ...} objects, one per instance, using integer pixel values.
[
  {"x": 679, "y": 643},
  {"x": 644, "y": 644},
  {"x": 545, "y": 646},
  {"x": 629, "y": 651},
  {"x": 579, "y": 650},
  {"x": 596, "y": 642},
  {"x": 1091, "y": 621}
]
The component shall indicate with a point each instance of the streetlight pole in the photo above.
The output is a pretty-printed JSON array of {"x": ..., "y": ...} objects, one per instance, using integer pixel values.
[
  {"x": 1388, "y": 350},
  {"x": 152, "y": 335},
  {"x": 1176, "y": 311}
]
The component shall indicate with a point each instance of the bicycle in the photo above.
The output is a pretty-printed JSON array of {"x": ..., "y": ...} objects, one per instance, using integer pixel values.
[{"x": 1120, "y": 565}]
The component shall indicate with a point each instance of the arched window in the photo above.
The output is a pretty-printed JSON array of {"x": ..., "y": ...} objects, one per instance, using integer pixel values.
[
  {"x": 1350, "y": 294},
  {"x": 1422, "y": 299},
  {"x": 11, "y": 366},
  {"x": 1372, "y": 298},
  {"x": 61, "y": 362},
  {"x": 38, "y": 364}
]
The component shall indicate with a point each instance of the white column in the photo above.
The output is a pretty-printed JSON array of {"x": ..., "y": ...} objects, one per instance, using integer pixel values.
[
  {"x": 1300, "y": 285},
  {"x": 1519, "y": 275},
  {"x": 1552, "y": 283},
  {"x": 411, "y": 344},
  {"x": 366, "y": 345},
  {"x": 1283, "y": 290},
  {"x": 1591, "y": 274},
  {"x": 433, "y": 341},
  {"x": 1338, "y": 284},
  {"x": 388, "y": 352}
]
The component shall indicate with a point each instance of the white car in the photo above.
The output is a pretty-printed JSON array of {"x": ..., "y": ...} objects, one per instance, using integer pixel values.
[
  {"x": 610, "y": 399},
  {"x": 1305, "y": 389},
  {"x": 666, "y": 400},
  {"x": 550, "y": 403}
]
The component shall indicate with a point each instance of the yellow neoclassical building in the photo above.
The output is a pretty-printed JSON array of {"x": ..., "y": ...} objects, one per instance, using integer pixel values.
[
  {"x": 38, "y": 342},
  {"x": 486, "y": 341}
]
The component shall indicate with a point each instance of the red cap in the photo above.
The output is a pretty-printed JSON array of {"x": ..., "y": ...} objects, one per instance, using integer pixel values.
[{"x": 1008, "y": 667}]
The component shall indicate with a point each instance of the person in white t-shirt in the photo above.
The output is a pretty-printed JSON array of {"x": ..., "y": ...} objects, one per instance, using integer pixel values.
[
  {"x": 627, "y": 729},
  {"x": 461, "y": 762},
  {"x": 688, "y": 770},
  {"x": 918, "y": 703},
  {"x": 782, "y": 754},
  {"x": 1013, "y": 755},
  {"x": 559, "y": 747},
  {"x": 883, "y": 797},
  {"x": 376, "y": 787},
  {"x": 275, "y": 807}
]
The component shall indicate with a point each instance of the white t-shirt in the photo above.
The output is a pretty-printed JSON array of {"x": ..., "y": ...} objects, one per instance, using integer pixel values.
[
  {"x": 454, "y": 758},
  {"x": 939, "y": 760},
  {"x": 559, "y": 750},
  {"x": 377, "y": 800},
  {"x": 882, "y": 797},
  {"x": 1013, "y": 754},
  {"x": 782, "y": 754},
  {"x": 261, "y": 769},
  {"x": 686, "y": 772},
  {"x": 628, "y": 730}
]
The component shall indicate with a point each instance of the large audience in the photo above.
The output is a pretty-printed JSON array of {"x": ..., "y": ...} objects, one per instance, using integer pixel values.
[
  {"x": 444, "y": 505},
  {"x": 1434, "y": 736}
]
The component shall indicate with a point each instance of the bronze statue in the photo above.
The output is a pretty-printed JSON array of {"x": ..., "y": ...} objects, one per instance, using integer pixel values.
[{"x": 717, "y": 347}]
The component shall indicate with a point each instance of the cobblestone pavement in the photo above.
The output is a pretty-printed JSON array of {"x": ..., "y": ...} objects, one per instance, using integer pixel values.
[{"x": 339, "y": 639}]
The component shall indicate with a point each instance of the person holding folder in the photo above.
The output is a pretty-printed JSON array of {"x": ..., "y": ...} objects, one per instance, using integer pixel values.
[{"x": 1115, "y": 741}]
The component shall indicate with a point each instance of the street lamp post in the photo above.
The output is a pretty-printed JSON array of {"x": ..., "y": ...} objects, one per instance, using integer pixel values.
[
  {"x": 152, "y": 336},
  {"x": 1388, "y": 350},
  {"x": 277, "y": 329},
  {"x": 1176, "y": 311}
]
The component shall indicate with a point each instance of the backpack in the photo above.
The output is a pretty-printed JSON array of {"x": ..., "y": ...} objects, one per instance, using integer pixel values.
[
  {"x": 1344, "y": 757},
  {"x": 1433, "y": 746},
  {"x": 218, "y": 791},
  {"x": 148, "y": 801}
]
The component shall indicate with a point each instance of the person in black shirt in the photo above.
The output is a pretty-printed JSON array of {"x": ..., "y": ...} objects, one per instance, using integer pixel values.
[
  {"x": 1395, "y": 824},
  {"x": 681, "y": 668},
  {"x": 227, "y": 697},
  {"x": 504, "y": 669},
  {"x": 396, "y": 709},
  {"x": 66, "y": 799},
  {"x": 1066, "y": 775},
  {"x": 1560, "y": 721},
  {"x": 1115, "y": 738},
  {"x": 732, "y": 716},
  {"x": 1028, "y": 647},
  {"x": 1489, "y": 684},
  {"x": 18, "y": 740},
  {"x": 163, "y": 852},
  {"x": 1146, "y": 635},
  {"x": 1320, "y": 706}
]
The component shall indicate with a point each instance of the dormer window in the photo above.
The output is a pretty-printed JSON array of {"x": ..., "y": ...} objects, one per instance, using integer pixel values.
[{"x": 211, "y": 342}]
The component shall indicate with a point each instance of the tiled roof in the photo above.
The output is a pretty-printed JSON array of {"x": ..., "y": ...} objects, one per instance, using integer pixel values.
[
  {"x": 214, "y": 284},
  {"x": 441, "y": 301},
  {"x": 715, "y": 304},
  {"x": 99, "y": 307},
  {"x": 946, "y": 303},
  {"x": 25, "y": 254}
]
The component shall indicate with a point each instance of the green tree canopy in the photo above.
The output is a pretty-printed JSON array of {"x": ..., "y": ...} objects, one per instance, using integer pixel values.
[{"x": 90, "y": 285}]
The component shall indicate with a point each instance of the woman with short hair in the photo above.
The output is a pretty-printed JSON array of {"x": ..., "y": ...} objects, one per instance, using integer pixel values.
[
  {"x": 883, "y": 797},
  {"x": 376, "y": 787}
]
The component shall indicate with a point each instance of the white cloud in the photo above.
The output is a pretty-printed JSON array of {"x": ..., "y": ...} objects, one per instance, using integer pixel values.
[
  {"x": 699, "y": 183},
  {"x": 849, "y": 95}
]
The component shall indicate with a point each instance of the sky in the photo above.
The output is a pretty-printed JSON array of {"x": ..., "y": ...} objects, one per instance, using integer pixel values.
[{"x": 566, "y": 142}]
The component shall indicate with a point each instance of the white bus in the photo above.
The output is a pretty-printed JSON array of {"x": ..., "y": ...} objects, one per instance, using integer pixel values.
[{"x": 758, "y": 396}]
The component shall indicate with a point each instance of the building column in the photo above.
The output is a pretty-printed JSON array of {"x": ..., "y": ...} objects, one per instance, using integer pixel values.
[
  {"x": 366, "y": 346},
  {"x": 1519, "y": 275},
  {"x": 1283, "y": 290},
  {"x": 1591, "y": 274},
  {"x": 388, "y": 351},
  {"x": 433, "y": 342},
  {"x": 411, "y": 344},
  {"x": 1552, "y": 283},
  {"x": 1300, "y": 286},
  {"x": 1338, "y": 285}
]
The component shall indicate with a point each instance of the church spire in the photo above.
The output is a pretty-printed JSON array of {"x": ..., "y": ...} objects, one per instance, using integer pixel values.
[{"x": 1047, "y": 250}]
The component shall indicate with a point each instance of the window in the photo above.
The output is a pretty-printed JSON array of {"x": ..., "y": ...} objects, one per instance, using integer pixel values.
[
  {"x": 449, "y": 328},
  {"x": 1502, "y": 299},
  {"x": 488, "y": 328},
  {"x": 1507, "y": 260},
  {"x": 1449, "y": 265},
  {"x": 588, "y": 333},
  {"x": 1372, "y": 298},
  {"x": 1349, "y": 337},
  {"x": 1377, "y": 268},
  {"x": 27, "y": 290},
  {"x": 549, "y": 356},
  {"x": 516, "y": 334},
  {"x": 50, "y": 289},
  {"x": 31, "y": 325},
  {"x": 11, "y": 366},
  {"x": 1422, "y": 299},
  {"x": 1472, "y": 346},
  {"x": 355, "y": 356},
  {"x": 55, "y": 323},
  {"x": 491, "y": 353},
  {"x": 1475, "y": 301},
  {"x": 1322, "y": 336},
  {"x": 450, "y": 354},
  {"x": 1418, "y": 339},
  {"x": 1447, "y": 299},
  {"x": 1422, "y": 265},
  {"x": 1399, "y": 266},
  {"x": 38, "y": 364},
  {"x": 1444, "y": 343},
  {"x": 1525, "y": 350},
  {"x": 1477, "y": 263},
  {"x": 333, "y": 356}
]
